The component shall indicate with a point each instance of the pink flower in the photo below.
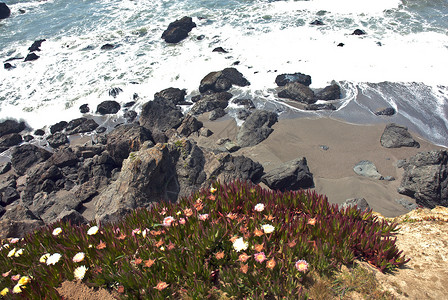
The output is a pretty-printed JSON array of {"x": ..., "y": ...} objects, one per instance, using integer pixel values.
[
  {"x": 260, "y": 257},
  {"x": 182, "y": 221},
  {"x": 203, "y": 217},
  {"x": 259, "y": 207},
  {"x": 302, "y": 265},
  {"x": 136, "y": 231},
  {"x": 167, "y": 221}
]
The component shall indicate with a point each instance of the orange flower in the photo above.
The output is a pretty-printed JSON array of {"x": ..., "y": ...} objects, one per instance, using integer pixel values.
[
  {"x": 233, "y": 239},
  {"x": 120, "y": 289},
  {"x": 231, "y": 216},
  {"x": 243, "y": 229},
  {"x": 159, "y": 243},
  {"x": 311, "y": 221},
  {"x": 122, "y": 236},
  {"x": 243, "y": 257},
  {"x": 259, "y": 247},
  {"x": 155, "y": 233},
  {"x": 171, "y": 246},
  {"x": 138, "y": 261},
  {"x": 149, "y": 263},
  {"x": 244, "y": 268},
  {"x": 98, "y": 270},
  {"x": 292, "y": 244},
  {"x": 188, "y": 212},
  {"x": 270, "y": 264},
  {"x": 219, "y": 255},
  {"x": 269, "y": 217},
  {"x": 258, "y": 232},
  {"x": 212, "y": 197},
  {"x": 101, "y": 245},
  {"x": 161, "y": 285}
]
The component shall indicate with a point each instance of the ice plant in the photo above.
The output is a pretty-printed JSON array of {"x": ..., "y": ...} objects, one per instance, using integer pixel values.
[
  {"x": 301, "y": 265},
  {"x": 259, "y": 207},
  {"x": 92, "y": 230},
  {"x": 79, "y": 257},
  {"x": 203, "y": 217},
  {"x": 182, "y": 221},
  {"x": 4, "y": 292},
  {"x": 161, "y": 285},
  {"x": 240, "y": 244},
  {"x": 260, "y": 257},
  {"x": 243, "y": 257},
  {"x": 18, "y": 253},
  {"x": 43, "y": 258},
  {"x": 267, "y": 228},
  {"x": 12, "y": 252},
  {"x": 213, "y": 190},
  {"x": 15, "y": 277},
  {"x": 53, "y": 259},
  {"x": 167, "y": 221},
  {"x": 80, "y": 272},
  {"x": 311, "y": 221},
  {"x": 17, "y": 289},
  {"x": 57, "y": 231},
  {"x": 24, "y": 280},
  {"x": 270, "y": 264}
]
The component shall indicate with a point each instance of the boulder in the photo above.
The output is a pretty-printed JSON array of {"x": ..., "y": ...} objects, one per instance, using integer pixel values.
[
  {"x": 247, "y": 103},
  {"x": 359, "y": 32},
  {"x": 64, "y": 158},
  {"x": 80, "y": 125},
  {"x": 243, "y": 114},
  {"x": 220, "y": 50},
  {"x": 331, "y": 92},
  {"x": 130, "y": 115},
  {"x": 178, "y": 30},
  {"x": 389, "y": 111},
  {"x": 108, "y": 107},
  {"x": 368, "y": 169},
  {"x": 217, "y": 113},
  {"x": 39, "y": 132},
  {"x": 189, "y": 125},
  {"x": 5, "y": 12},
  {"x": 321, "y": 106},
  {"x": 205, "y": 132},
  {"x": 126, "y": 139},
  {"x": 160, "y": 115},
  {"x": 9, "y": 140},
  {"x": 297, "y": 91},
  {"x": 359, "y": 203},
  {"x": 31, "y": 56},
  {"x": 396, "y": 136},
  {"x": 84, "y": 108},
  {"x": 8, "y": 66},
  {"x": 36, "y": 45},
  {"x": 108, "y": 46},
  {"x": 27, "y": 155},
  {"x": 211, "y": 101},
  {"x": 425, "y": 178},
  {"x": 58, "y": 127},
  {"x": 283, "y": 79},
  {"x": 57, "y": 139},
  {"x": 71, "y": 216},
  {"x": 292, "y": 175},
  {"x": 256, "y": 128},
  {"x": 8, "y": 195},
  {"x": 113, "y": 92},
  {"x": 222, "y": 80},
  {"x": 11, "y": 126},
  {"x": 173, "y": 95}
]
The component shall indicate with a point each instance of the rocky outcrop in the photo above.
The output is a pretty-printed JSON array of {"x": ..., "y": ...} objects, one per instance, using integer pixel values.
[
  {"x": 58, "y": 127},
  {"x": 178, "y": 30},
  {"x": 9, "y": 140},
  {"x": 31, "y": 56},
  {"x": 36, "y": 45},
  {"x": 389, "y": 111},
  {"x": 80, "y": 125},
  {"x": 292, "y": 175},
  {"x": 108, "y": 107},
  {"x": 360, "y": 204},
  {"x": 57, "y": 139},
  {"x": 211, "y": 101},
  {"x": 5, "y": 12},
  {"x": 217, "y": 113},
  {"x": 160, "y": 115},
  {"x": 173, "y": 95},
  {"x": 331, "y": 92},
  {"x": 396, "y": 136},
  {"x": 425, "y": 178},
  {"x": 359, "y": 32},
  {"x": 27, "y": 155},
  {"x": 368, "y": 169},
  {"x": 189, "y": 125},
  {"x": 222, "y": 81},
  {"x": 320, "y": 106},
  {"x": 11, "y": 126},
  {"x": 18, "y": 221},
  {"x": 297, "y": 91},
  {"x": 256, "y": 128},
  {"x": 283, "y": 79}
]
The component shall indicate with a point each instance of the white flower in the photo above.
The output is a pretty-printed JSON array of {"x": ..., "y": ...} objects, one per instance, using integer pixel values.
[
  {"x": 53, "y": 259},
  {"x": 43, "y": 258},
  {"x": 267, "y": 228},
  {"x": 259, "y": 207},
  {"x": 79, "y": 257},
  {"x": 240, "y": 244},
  {"x": 17, "y": 289},
  {"x": 93, "y": 230},
  {"x": 18, "y": 253},
  {"x": 57, "y": 231},
  {"x": 80, "y": 272}
]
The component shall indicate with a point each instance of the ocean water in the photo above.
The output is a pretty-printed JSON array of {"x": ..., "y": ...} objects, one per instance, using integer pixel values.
[{"x": 402, "y": 61}]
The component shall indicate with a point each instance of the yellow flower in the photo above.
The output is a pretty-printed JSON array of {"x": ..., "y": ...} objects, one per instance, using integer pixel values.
[
  {"x": 17, "y": 289},
  {"x": 4, "y": 292},
  {"x": 18, "y": 253},
  {"x": 80, "y": 272},
  {"x": 12, "y": 252},
  {"x": 93, "y": 230},
  {"x": 213, "y": 190},
  {"x": 24, "y": 280},
  {"x": 79, "y": 257},
  {"x": 57, "y": 231},
  {"x": 43, "y": 258}
]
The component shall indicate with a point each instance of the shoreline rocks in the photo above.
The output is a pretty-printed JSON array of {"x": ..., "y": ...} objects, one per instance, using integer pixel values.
[
  {"x": 396, "y": 136},
  {"x": 178, "y": 30},
  {"x": 5, "y": 12}
]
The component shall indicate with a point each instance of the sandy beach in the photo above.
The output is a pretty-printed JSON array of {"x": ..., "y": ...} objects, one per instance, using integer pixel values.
[{"x": 332, "y": 169}]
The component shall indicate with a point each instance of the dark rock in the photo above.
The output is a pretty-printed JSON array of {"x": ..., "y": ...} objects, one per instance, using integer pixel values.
[
  {"x": 359, "y": 32},
  {"x": 5, "y": 167},
  {"x": 178, "y": 30},
  {"x": 57, "y": 139},
  {"x": 425, "y": 178},
  {"x": 217, "y": 113},
  {"x": 396, "y": 136},
  {"x": 84, "y": 108},
  {"x": 368, "y": 169},
  {"x": 200, "y": 37},
  {"x": 58, "y": 127},
  {"x": 292, "y": 175},
  {"x": 130, "y": 116},
  {"x": 113, "y": 92},
  {"x": 19, "y": 212},
  {"x": 235, "y": 77},
  {"x": 389, "y": 111},
  {"x": 341, "y": 45},
  {"x": 129, "y": 104},
  {"x": 28, "y": 138},
  {"x": 101, "y": 129},
  {"x": 222, "y": 80},
  {"x": 331, "y": 92},
  {"x": 247, "y": 103},
  {"x": 211, "y": 102},
  {"x": 80, "y": 125},
  {"x": 220, "y": 50},
  {"x": 196, "y": 98},
  {"x": 39, "y": 132},
  {"x": 283, "y": 79},
  {"x": 22, "y": 11},
  {"x": 256, "y": 128},
  {"x": 243, "y": 114},
  {"x": 108, "y": 107},
  {"x": 31, "y": 56},
  {"x": 173, "y": 95},
  {"x": 189, "y": 125},
  {"x": 160, "y": 115},
  {"x": 8, "y": 66},
  {"x": 27, "y": 155},
  {"x": 72, "y": 216},
  {"x": 18, "y": 229},
  {"x": 9, "y": 140},
  {"x": 64, "y": 158},
  {"x": 107, "y": 47},
  {"x": 359, "y": 203},
  {"x": 5, "y": 12},
  {"x": 236, "y": 63},
  {"x": 8, "y": 196},
  {"x": 36, "y": 45},
  {"x": 126, "y": 139},
  {"x": 297, "y": 91},
  {"x": 323, "y": 106},
  {"x": 11, "y": 126},
  {"x": 2, "y": 211},
  {"x": 317, "y": 22}
]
